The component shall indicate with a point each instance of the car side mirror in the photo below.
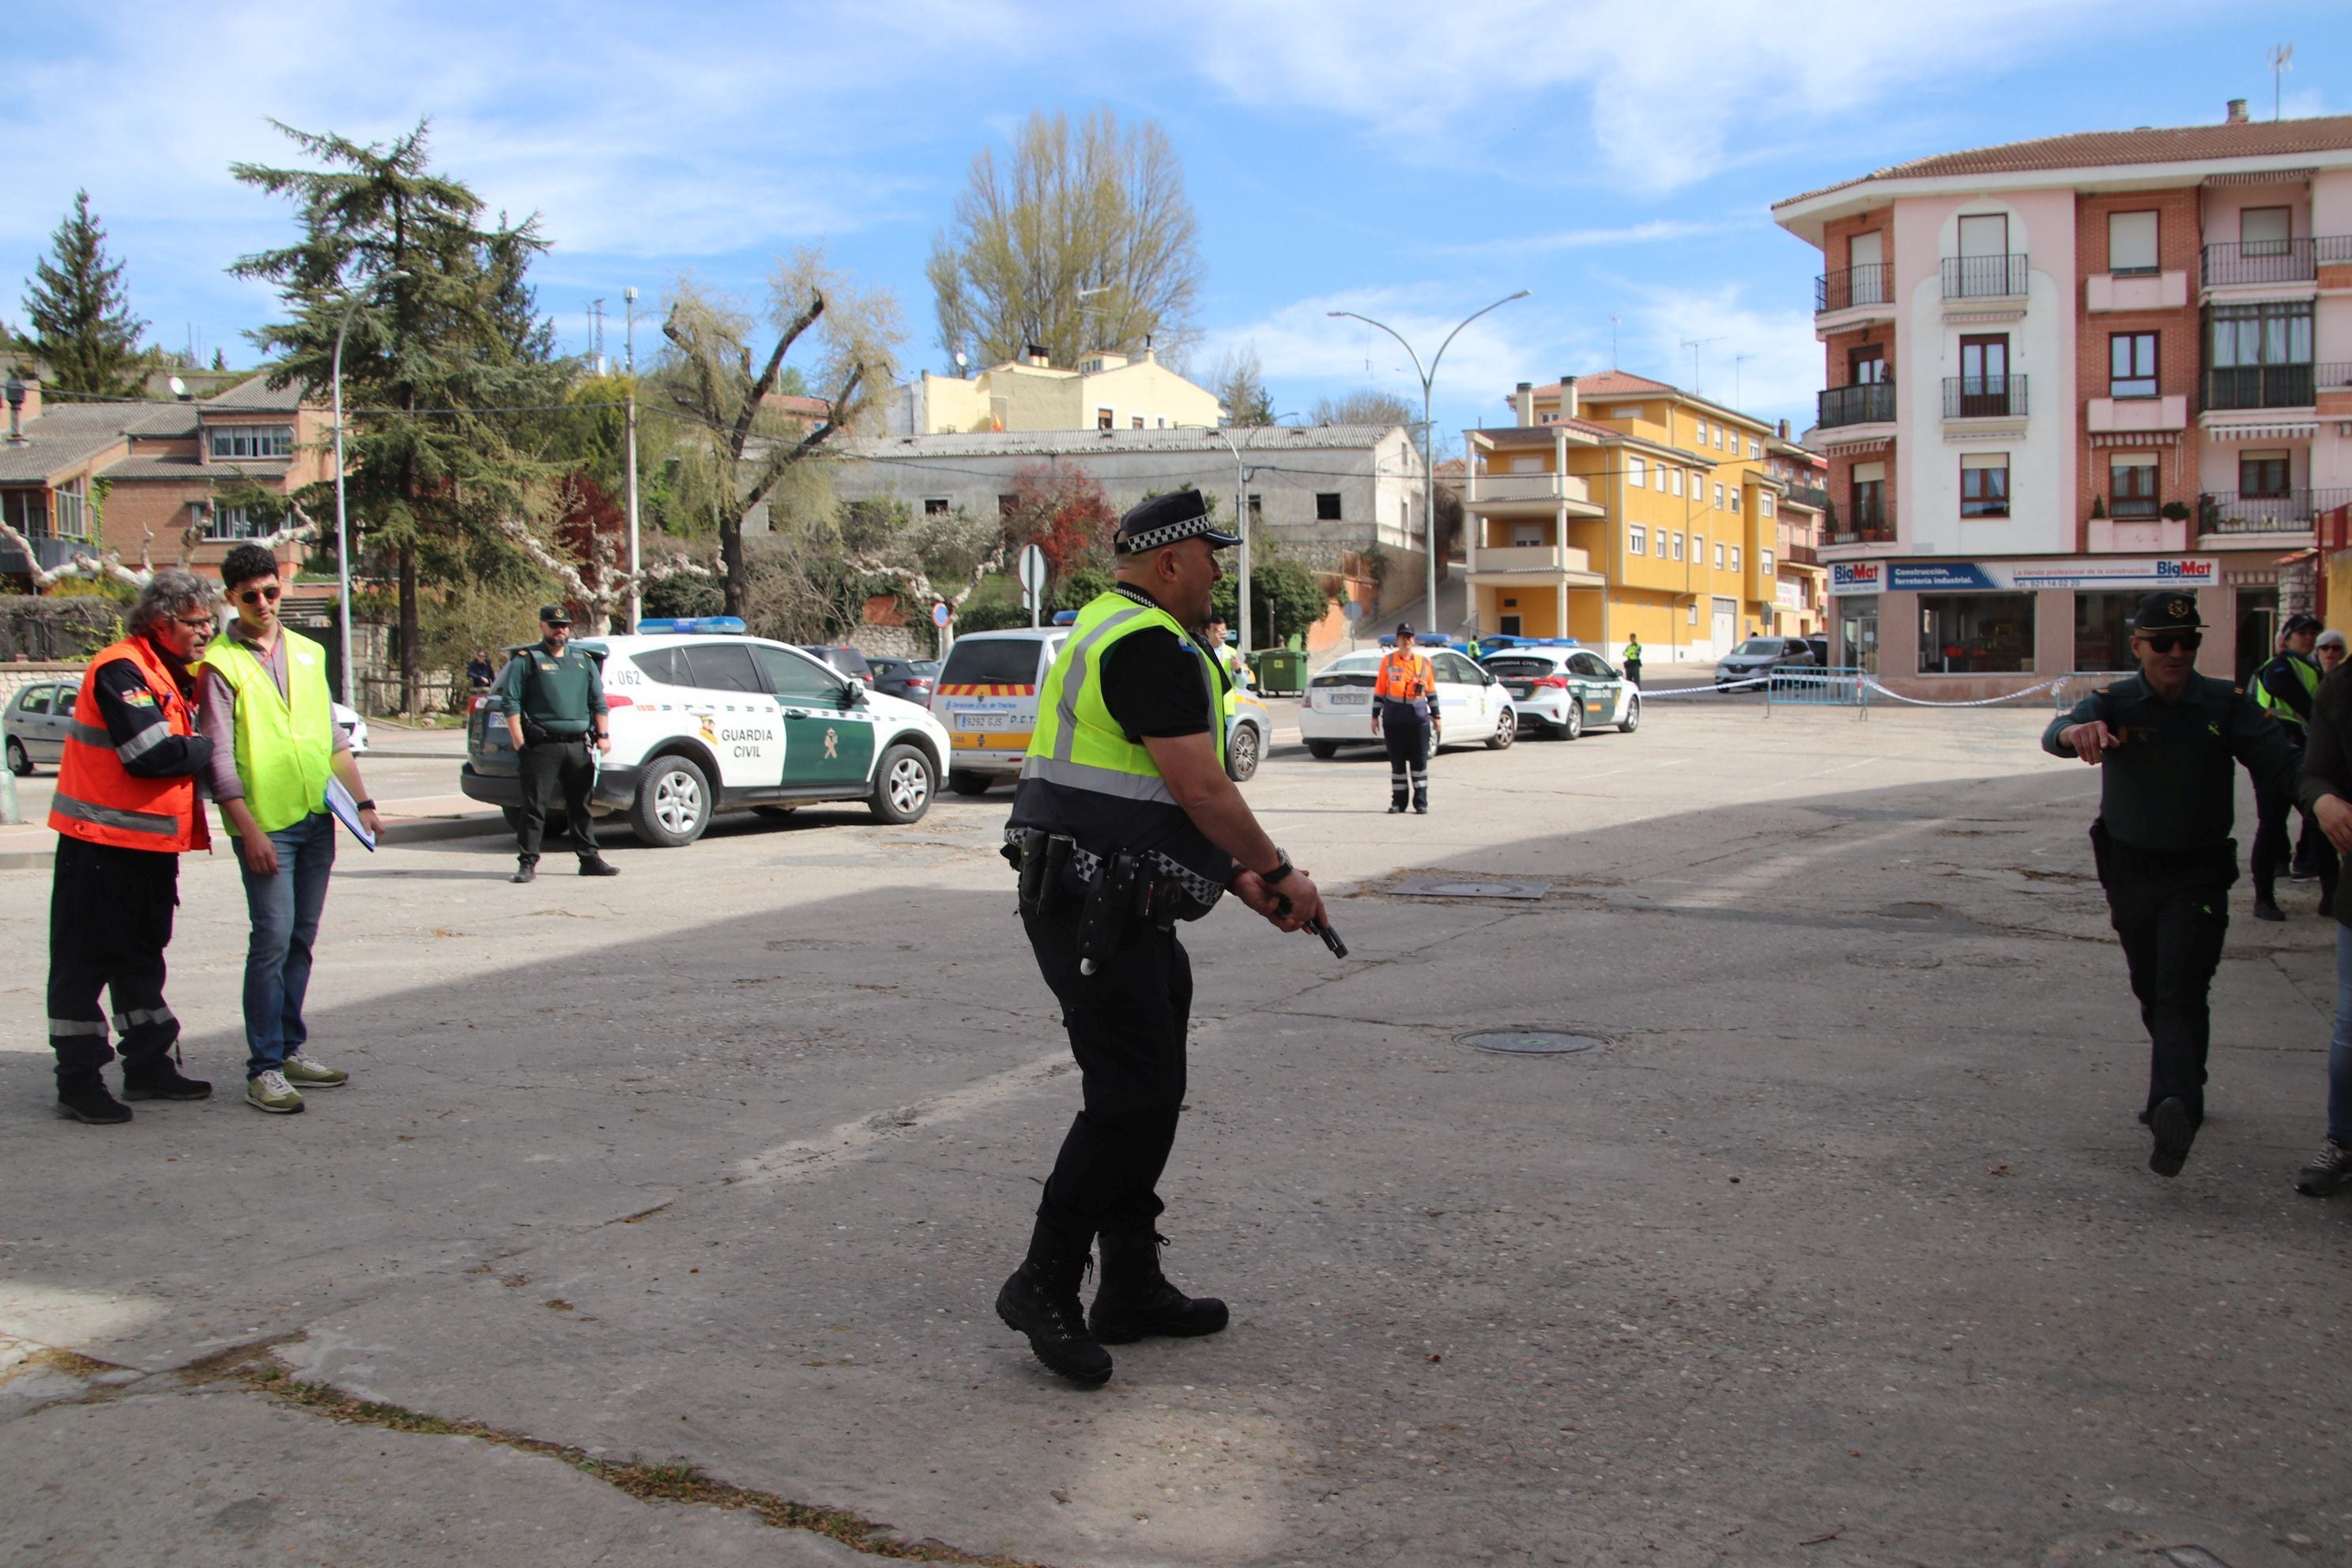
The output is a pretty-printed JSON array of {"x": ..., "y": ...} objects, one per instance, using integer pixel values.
[{"x": 853, "y": 693}]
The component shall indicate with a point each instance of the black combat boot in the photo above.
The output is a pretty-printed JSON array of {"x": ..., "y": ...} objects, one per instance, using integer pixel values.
[
  {"x": 526, "y": 867},
  {"x": 599, "y": 866},
  {"x": 160, "y": 1079},
  {"x": 1135, "y": 1299},
  {"x": 2266, "y": 901},
  {"x": 83, "y": 1097},
  {"x": 1041, "y": 1300}
]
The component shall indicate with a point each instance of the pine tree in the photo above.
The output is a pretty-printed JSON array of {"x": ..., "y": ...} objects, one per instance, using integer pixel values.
[{"x": 80, "y": 314}]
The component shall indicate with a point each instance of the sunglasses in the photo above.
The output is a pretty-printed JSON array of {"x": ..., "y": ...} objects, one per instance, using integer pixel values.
[
  {"x": 2165, "y": 642},
  {"x": 256, "y": 595}
]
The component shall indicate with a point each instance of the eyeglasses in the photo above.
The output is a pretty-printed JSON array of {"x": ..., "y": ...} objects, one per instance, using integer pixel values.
[
  {"x": 256, "y": 595},
  {"x": 2165, "y": 642},
  {"x": 203, "y": 627}
]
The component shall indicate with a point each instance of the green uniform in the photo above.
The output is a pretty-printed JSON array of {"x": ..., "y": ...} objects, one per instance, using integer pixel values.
[
  {"x": 558, "y": 692},
  {"x": 2170, "y": 785}
]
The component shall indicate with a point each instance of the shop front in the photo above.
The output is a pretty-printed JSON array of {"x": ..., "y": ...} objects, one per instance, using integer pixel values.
[{"x": 1961, "y": 630}]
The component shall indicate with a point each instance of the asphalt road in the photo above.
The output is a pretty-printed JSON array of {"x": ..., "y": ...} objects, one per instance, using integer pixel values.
[{"x": 1838, "y": 1246}]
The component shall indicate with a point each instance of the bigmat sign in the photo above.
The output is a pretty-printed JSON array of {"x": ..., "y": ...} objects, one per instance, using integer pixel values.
[{"x": 2019, "y": 576}]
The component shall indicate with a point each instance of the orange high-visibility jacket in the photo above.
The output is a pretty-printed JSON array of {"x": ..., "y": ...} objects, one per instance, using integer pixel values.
[
  {"x": 1405, "y": 675},
  {"x": 99, "y": 800}
]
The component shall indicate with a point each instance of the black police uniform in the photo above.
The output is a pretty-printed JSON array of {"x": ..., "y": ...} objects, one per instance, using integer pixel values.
[
  {"x": 1126, "y": 1010},
  {"x": 2164, "y": 854},
  {"x": 559, "y": 696},
  {"x": 2290, "y": 680}
]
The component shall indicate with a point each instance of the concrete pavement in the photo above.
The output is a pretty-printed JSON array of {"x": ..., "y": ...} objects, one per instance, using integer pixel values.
[{"x": 1840, "y": 1248}]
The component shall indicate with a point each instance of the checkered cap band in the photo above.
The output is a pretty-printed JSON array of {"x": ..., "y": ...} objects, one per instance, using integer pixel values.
[{"x": 1172, "y": 533}]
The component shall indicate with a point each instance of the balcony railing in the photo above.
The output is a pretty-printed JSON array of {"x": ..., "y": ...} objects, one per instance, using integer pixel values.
[
  {"x": 1865, "y": 403},
  {"x": 1509, "y": 489},
  {"x": 2274, "y": 260},
  {"x": 1801, "y": 555},
  {"x": 1984, "y": 277},
  {"x": 1984, "y": 397},
  {"x": 2261, "y": 385},
  {"x": 2229, "y": 513},
  {"x": 1865, "y": 285},
  {"x": 1880, "y": 533},
  {"x": 1812, "y": 496}
]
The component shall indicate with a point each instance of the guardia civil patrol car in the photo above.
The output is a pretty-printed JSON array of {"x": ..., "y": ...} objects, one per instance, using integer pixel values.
[{"x": 705, "y": 719}]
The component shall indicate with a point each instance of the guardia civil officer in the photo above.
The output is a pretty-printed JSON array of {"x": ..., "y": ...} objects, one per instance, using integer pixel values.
[
  {"x": 1633, "y": 659},
  {"x": 2284, "y": 688},
  {"x": 1404, "y": 714},
  {"x": 1125, "y": 824},
  {"x": 2167, "y": 741},
  {"x": 554, "y": 698},
  {"x": 125, "y": 809}
]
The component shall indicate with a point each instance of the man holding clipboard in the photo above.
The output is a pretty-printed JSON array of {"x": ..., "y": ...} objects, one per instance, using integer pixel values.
[{"x": 278, "y": 760}]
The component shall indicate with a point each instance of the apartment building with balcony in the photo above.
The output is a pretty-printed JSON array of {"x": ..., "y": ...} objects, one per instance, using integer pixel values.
[
  {"x": 2060, "y": 374},
  {"x": 1614, "y": 506}
]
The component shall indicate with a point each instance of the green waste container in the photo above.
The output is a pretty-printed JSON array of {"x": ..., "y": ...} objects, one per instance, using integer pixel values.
[{"x": 1280, "y": 671}]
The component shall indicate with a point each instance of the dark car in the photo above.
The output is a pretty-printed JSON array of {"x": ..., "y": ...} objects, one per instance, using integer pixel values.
[
  {"x": 845, "y": 658},
  {"x": 912, "y": 679},
  {"x": 1763, "y": 658}
]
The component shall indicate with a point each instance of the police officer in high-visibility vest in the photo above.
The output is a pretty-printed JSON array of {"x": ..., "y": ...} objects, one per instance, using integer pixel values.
[
  {"x": 1125, "y": 824},
  {"x": 125, "y": 809},
  {"x": 554, "y": 698},
  {"x": 2283, "y": 688},
  {"x": 275, "y": 745},
  {"x": 1404, "y": 714}
]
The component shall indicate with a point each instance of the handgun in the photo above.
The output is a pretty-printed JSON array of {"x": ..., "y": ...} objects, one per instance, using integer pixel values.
[{"x": 1331, "y": 938}]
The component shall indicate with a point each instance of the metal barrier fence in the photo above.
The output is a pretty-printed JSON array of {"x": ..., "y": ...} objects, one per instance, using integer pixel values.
[{"x": 1849, "y": 686}]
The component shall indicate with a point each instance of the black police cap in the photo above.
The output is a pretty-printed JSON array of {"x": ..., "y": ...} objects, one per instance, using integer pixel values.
[
  {"x": 2173, "y": 610},
  {"x": 1167, "y": 520},
  {"x": 554, "y": 615}
]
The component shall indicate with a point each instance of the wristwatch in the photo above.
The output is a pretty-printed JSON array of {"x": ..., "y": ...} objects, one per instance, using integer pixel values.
[{"x": 1282, "y": 867}]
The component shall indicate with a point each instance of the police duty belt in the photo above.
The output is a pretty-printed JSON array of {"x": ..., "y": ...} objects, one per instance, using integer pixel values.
[{"x": 1087, "y": 866}]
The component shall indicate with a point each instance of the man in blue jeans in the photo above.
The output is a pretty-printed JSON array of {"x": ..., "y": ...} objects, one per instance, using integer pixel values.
[
  {"x": 2326, "y": 792},
  {"x": 275, "y": 743}
]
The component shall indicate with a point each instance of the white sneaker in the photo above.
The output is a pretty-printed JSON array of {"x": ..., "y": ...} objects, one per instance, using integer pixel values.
[
  {"x": 301, "y": 1069},
  {"x": 271, "y": 1092}
]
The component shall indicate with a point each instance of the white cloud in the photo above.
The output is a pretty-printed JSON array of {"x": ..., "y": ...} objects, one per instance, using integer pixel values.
[
  {"x": 1649, "y": 233},
  {"x": 1764, "y": 362},
  {"x": 1677, "y": 90}
]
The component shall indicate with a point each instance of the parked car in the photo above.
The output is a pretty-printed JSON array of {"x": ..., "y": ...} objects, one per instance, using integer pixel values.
[
  {"x": 1763, "y": 658},
  {"x": 354, "y": 728},
  {"x": 912, "y": 679},
  {"x": 1337, "y": 709},
  {"x": 712, "y": 722},
  {"x": 35, "y": 721},
  {"x": 1565, "y": 690},
  {"x": 845, "y": 658}
]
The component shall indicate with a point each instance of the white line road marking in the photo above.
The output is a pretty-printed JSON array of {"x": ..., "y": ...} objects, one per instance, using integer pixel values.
[{"x": 811, "y": 1157}]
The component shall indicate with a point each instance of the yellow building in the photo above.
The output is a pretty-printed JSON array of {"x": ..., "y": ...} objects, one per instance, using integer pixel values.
[
  {"x": 1105, "y": 391},
  {"x": 1617, "y": 507}
]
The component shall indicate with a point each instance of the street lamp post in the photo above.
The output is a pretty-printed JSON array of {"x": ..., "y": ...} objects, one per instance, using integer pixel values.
[
  {"x": 1241, "y": 526},
  {"x": 1429, "y": 435},
  {"x": 342, "y": 525}
]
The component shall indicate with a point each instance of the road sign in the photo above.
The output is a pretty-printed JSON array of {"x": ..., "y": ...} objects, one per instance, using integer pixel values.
[
  {"x": 1032, "y": 573},
  {"x": 1352, "y": 610},
  {"x": 941, "y": 614}
]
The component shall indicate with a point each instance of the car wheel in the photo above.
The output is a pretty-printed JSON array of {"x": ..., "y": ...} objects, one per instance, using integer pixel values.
[
  {"x": 1323, "y": 750},
  {"x": 673, "y": 804},
  {"x": 902, "y": 785},
  {"x": 1632, "y": 719},
  {"x": 1241, "y": 753},
  {"x": 964, "y": 781},
  {"x": 1507, "y": 729},
  {"x": 776, "y": 813},
  {"x": 1573, "y": 725},
  {"x": 20, "y": 760}
]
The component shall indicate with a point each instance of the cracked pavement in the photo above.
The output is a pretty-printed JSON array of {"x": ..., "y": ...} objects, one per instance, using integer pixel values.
[{"x": 1844, "y": 1232}]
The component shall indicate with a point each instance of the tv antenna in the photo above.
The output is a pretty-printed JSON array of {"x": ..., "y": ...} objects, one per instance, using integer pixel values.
[
  {"x": 1694, "y": 344},
  {"x": 1737, "y": 360},
  {"x": 1612, "y": 340},
  {"x": 2281, "y": 62}
]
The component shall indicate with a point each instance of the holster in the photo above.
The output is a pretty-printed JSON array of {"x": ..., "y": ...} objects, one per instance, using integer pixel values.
[
  {"x": 1102, "y": 919},
  {"x": 1041, "y": 857},
  {"x": 534, "y": 733}
]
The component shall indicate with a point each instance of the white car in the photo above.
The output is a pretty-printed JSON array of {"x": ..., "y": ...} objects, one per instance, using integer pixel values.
[
  {"x": 1337, "y": 709},
  {"x": 1565, "y": 690},
  {"x": 353, "y": 727},
  {"x": 986, "y": 695},
  {"x": 706, "y": 720}
]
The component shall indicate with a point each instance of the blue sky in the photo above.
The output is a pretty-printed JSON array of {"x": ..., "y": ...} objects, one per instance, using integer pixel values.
[{"x": 1407, "y": 161}]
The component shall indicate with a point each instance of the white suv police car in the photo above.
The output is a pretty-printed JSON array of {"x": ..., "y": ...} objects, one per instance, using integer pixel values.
[{"x": 707, "y": 720}]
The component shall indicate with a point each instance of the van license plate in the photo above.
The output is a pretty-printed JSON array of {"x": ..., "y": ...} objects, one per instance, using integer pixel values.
[{"x": 969, "y": 721}]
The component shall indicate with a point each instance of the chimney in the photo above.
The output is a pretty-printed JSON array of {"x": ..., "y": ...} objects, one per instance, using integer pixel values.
[
  {"x": 1148, "y": 357},
  {"x": 1523, "y": 404},
  {"x": 1569, "y": 406},
  {"x": 2237, "y": 112},
  {"x": 1037, "y": 354},
  {"x": 1784, "y": 430},
  {"x": 24, "y": 402}
]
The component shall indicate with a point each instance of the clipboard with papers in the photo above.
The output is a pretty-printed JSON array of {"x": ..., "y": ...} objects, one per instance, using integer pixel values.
[{"x": 347, "y": 812}]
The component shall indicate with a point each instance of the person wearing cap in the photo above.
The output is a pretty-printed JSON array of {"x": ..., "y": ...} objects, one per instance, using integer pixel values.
[
  {"x": 1126, "y": 771},
  {"x": 1405, "y": 715},
  {"x": 554, "y": 699},
  {"x": 2284, "y": 687},
  {"x": 2166, "y": 743}
]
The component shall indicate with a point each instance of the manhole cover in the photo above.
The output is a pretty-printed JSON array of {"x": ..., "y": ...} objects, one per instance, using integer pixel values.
[
  {"x": 1465, "y": 888},
  {"x": 1529, "y": 1042}
]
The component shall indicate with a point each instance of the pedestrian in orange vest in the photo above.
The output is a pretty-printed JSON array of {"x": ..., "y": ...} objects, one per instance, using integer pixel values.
[
  {"x": 125, "y": 809},
  {"x": 1404, "y": 714}
]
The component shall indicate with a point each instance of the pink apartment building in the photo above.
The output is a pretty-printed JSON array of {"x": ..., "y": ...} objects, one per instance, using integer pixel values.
[{"x": 2064, "y": 373}]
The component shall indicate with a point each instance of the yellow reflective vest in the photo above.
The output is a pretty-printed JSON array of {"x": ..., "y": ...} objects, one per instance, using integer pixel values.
[{"x": 285, "y": 745}]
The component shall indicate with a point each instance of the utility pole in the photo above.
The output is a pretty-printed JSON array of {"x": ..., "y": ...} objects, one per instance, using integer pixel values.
[
  {"x": 636, "y": 587},
  {"x": 629, "y": 328}
]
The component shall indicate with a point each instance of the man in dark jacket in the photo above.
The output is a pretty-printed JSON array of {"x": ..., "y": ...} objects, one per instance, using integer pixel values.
[
  {"x": 2167, "y": 742},
  {"x": 2327, "y": 792},
  {"x": 553, "y": 699},
  {"x": 2283, "y": 688}
]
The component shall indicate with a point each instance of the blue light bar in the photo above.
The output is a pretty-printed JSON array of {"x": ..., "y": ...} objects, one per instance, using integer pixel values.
[
  {"x": 700, "y": 625},
  {"x": 1066, "y": 617}
]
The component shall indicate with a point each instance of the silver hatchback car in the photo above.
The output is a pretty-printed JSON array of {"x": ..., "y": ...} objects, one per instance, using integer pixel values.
[{"x": 35, "y": 722}]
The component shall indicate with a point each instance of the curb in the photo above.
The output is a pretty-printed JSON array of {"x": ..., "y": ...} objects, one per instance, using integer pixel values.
[{"x": 417, "y": 830}]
